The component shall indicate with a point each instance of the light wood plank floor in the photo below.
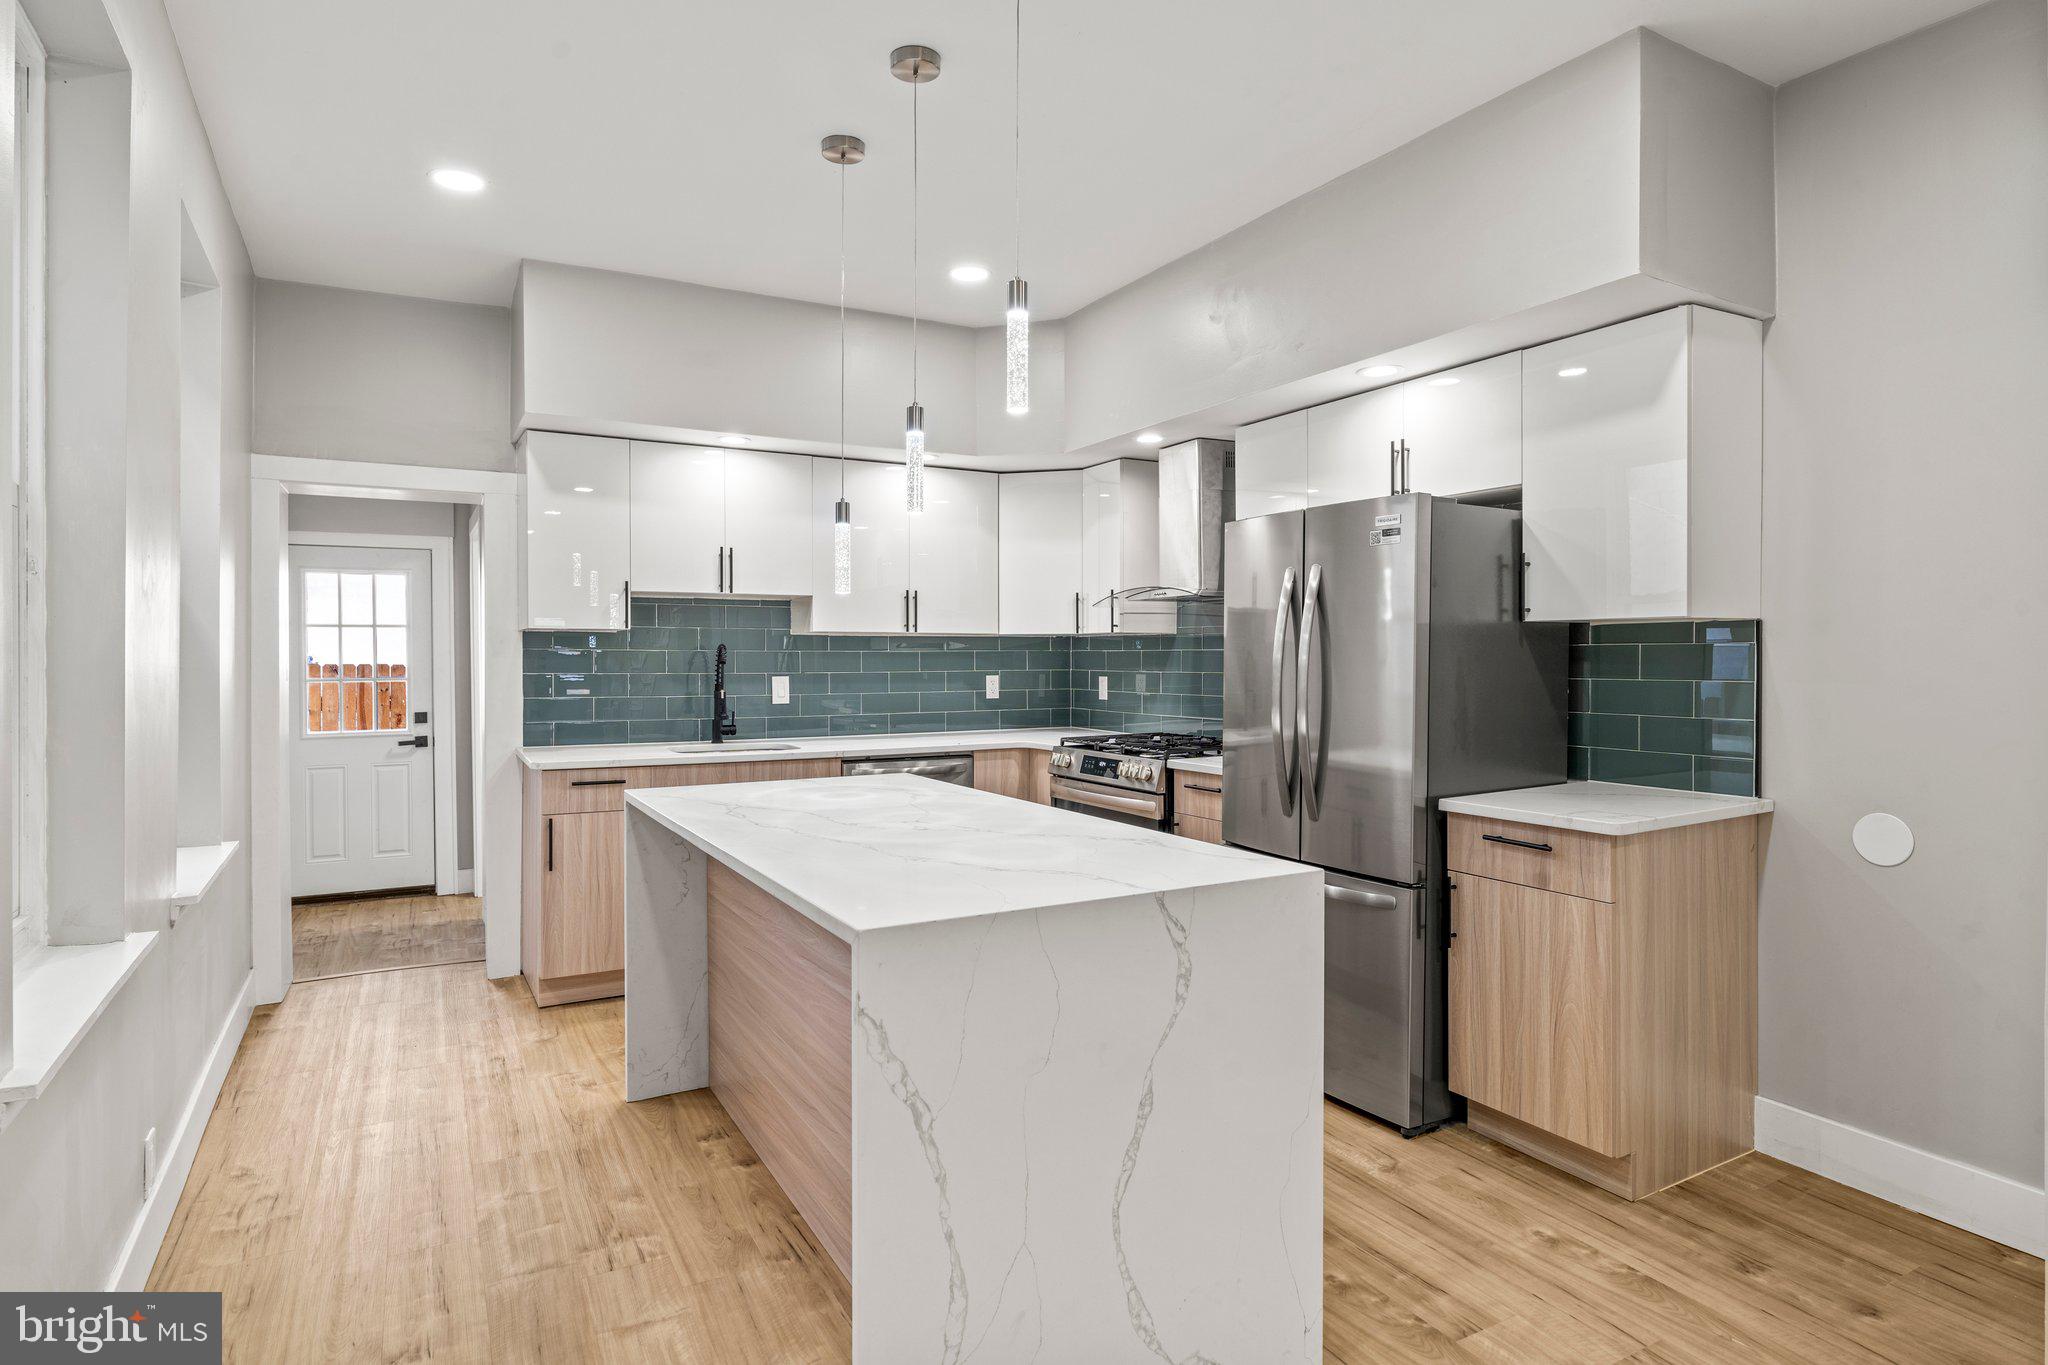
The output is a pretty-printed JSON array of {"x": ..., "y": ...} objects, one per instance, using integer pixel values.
[
  {"x": 420, "y": 1165},
  {"x": 378, "y": 934}
]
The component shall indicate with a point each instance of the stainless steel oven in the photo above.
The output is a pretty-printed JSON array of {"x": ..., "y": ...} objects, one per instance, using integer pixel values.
[
  {"x": 1148, "y": 809},
  {"x": 1122, "y": 777}
]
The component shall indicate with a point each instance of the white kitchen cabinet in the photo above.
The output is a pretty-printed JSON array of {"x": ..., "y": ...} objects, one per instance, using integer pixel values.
[
  {"x": 953, "y": 559},
  {"x": 1642, "y": 469},
  {"x": 712, "y": 520},
  {"x": 1039, "y": 553},
  {"x": 679, "y": 517},
  {"x": 1120, "y": 548},
  {"x": 768, "y": 523},
  {"x": 879, "y": 603},
  {"x": 1351, "y": 447},
  {"x": 1272, "y": 465},
  {"x": 1462, "y": 429},
  {"x": 579, "y": 540}
]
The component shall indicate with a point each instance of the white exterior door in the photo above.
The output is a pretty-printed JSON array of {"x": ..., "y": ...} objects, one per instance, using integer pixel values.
[
  {"x": 678, "y": 518},
  {"x": 1038, "y": 547},
  {"x": 768, "y": 523},
  {"x": 953, "y": 554},
  {"x": 362, "y": 795}
]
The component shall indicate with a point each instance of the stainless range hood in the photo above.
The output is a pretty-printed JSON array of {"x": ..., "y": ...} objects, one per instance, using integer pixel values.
[{"x": 1195, "y": 497}]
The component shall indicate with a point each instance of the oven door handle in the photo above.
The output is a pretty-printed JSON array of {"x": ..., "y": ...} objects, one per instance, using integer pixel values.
[{"x": 1063, "y": 790}]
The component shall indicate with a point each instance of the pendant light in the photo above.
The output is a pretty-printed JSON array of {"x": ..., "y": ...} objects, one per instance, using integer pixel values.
[
  {"x": 917, "y": 65},
  {"x": 842, "y": 150},
  {"x": 1017, "y": 316}
]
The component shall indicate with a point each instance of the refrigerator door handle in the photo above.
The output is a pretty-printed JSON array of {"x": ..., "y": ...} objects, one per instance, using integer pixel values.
[
  {"x": 1283, "y": 760},
  {"x": 1306, "y": 753}
]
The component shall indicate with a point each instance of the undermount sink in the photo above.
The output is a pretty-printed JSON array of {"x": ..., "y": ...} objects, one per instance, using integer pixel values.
[{"x": 729, "y": 747}]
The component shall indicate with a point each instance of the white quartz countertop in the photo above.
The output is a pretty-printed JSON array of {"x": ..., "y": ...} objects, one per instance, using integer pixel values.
[
  {"x": 856, "y": 854},
  {"x": 1605, "y": 807},
  {"x": 836, "y": 746},
  {"x": 1197, "y": 765}
]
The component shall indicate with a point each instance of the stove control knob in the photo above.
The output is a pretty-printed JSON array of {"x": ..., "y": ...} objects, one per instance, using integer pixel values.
[
  {"x": 1062, "y": 760},
  {"x": 1123, "y": 770},
  {"x": 1146, "y": 773}
]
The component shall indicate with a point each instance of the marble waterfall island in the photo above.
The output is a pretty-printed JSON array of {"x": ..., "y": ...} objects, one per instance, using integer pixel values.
[{"x": 1046, "y": 1086}]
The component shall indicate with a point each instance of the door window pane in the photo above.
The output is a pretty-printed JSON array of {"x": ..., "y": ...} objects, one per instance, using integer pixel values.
[
  {"x": 356, "y": 606},
  {"x": 358, "y": 651},
  {"x": 323, "y": 601},
  {"x": 390, "y": 599}
]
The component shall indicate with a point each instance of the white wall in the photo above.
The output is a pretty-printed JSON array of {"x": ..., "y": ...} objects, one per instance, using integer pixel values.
[
  {"x": 1905, "y": 619},
  {"x": 345, "y": 375},
  {"x": 73, "y": 1156},
  {"x": 390, "y": 516}
]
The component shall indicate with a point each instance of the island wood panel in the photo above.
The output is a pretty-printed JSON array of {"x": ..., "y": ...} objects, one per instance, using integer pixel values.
[
  {"x": 1534, "y": 1019},
  {"x": 782, "y": 1048},
  {"x": 1022, "y": 773},
  {"x": 1689, "y": 952},
  {"x": 1575, "y": 863}
]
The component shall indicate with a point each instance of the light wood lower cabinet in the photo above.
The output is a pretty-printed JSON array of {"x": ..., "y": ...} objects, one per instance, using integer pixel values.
[
  {"x": 1612, "y": 1033},
  {"x": 1022, "y": 773},
  {"x": 573, "y": 893},
  {"x": 1198, "y": 806}
]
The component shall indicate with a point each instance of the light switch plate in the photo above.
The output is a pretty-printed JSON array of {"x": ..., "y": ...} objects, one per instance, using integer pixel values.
[
  {"x": 1101, "y": 687},
  {"x": 778, "y": 689},
  {"x": 992, "y": 686}
]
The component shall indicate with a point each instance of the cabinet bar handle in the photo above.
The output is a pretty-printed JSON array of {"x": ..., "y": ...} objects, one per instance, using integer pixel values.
[
  {"x": 598, "y": 782},
  {"x": 1077, "y": 613},
  {"x": 1193, "y": 788},
  {"x": 732, "y": 571},
  {"x": 1518, "y": 843},
  {"x": 720, "y": 557},
  {"x": 1393, "y": 467},
  {"x": 551, "y": 843},
  {"x": 916, "y": 611}
]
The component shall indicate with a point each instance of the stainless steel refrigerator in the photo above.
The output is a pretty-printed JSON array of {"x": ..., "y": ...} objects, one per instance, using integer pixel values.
[{"x": 1376, "y": 660}]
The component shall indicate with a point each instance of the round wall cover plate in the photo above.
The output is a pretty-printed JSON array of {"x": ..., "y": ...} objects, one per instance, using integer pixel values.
[{"x": 1885, "y": 840}]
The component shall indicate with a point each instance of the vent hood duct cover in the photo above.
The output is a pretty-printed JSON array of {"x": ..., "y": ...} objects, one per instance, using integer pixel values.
[{"x": 1194, "y": 502}]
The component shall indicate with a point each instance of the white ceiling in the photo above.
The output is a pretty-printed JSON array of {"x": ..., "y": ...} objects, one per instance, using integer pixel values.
[{"x": 679, "y": 137}]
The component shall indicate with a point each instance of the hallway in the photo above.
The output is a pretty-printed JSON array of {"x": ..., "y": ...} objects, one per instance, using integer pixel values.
[{"x": 382, "y": 933}]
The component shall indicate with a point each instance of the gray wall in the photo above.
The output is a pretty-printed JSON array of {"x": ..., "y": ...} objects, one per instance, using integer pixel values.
[
  {"x": 346, "y": 375},
  {"x": 1904, "y": 572},
  {"x": 389, "y": 516}
]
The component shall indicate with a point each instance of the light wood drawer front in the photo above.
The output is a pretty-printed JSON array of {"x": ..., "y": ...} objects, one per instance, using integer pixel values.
[
  {"x": 1199, "y": 795},
  {"x": 1534, "y": 1010},
  {"x": 1562, "y": 860},
  {"x": 1195, "y": 827},
  {"x": 711, "y": 774},
  {"x": 570, "y": 791}
]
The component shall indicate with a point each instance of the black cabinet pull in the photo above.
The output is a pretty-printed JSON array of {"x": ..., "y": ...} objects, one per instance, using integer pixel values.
[
  {"x": 551, "y": 843},
  {"x": 1518, "y": 843},
  {"x": 598, "y": 782},
  {"x": 1195, "y": 787}
]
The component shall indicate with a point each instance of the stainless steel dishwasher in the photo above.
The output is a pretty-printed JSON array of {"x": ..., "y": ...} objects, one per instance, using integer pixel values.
[{"x": 955, "y": 768}]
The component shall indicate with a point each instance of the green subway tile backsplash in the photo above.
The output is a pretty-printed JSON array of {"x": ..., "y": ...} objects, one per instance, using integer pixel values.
[
  {"x": 1666, "y": 704},
  {"x": 653, "y": 682}
]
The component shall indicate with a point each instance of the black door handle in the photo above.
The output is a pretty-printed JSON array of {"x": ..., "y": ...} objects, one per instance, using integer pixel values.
[{"x": 416, "y": 742}]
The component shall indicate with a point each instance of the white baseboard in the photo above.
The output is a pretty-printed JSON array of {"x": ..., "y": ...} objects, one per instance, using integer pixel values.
[
  {"x": 138, "y": 1254},
  {"x": 463, "y": 883},
  {"x": 1966, "y": 1196}
]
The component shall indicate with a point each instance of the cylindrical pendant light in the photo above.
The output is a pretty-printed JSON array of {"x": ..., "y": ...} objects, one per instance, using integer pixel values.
[
  {"x": 917, "y": 65},
  {"x": 842, "y": 150},
  {"x": 1017, "y": 316}
]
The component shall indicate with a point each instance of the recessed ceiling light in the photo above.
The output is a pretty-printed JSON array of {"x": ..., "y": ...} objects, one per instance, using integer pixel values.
[
  {"x": 460, "y": 181},
  {"x": 1443, "y": 381},
  {"x": 1571, "y": 372},
  {"x": 731, "y": 440},
  {"x": 585, "y": 488},
  {"x": 969, "y": 274},
  {"x": 1148, "y": 438},
  {"x": 1378, "y": 371}
]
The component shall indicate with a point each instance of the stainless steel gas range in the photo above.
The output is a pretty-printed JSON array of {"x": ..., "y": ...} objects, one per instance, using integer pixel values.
[{"x": 1123, "y": 777}]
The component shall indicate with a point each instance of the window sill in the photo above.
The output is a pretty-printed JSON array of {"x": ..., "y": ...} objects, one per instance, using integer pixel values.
[
  {"x": 59, "y": 993},
  {"x": 199, "y": 867}
]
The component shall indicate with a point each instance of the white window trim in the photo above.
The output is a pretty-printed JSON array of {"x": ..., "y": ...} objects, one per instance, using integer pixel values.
[{"x": 26, "y": 646}]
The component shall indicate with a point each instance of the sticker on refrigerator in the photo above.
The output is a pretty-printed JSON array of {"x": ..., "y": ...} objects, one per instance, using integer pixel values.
[{"x": 1386, "y": 530}]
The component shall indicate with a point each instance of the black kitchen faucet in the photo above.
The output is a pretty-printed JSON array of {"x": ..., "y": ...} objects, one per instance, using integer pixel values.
[{"x": 723, "y": 722}]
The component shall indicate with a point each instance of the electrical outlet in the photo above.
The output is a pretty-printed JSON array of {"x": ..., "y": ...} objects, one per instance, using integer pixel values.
[
  {"x": 1101, "y": 687},
  {"x": 778, "y": 690},
  {"x": 149, "y": 1166},
  {"x": 992, "y": 686},
  {"x": 1141, "y": 684}
]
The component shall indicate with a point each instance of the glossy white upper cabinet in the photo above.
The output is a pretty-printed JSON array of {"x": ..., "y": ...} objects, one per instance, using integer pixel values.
[
  {"x": 880, "y": 601},
  {"x": 679, "y": 517},
  {"x": 1272, "y": 465},
  {"x": 578, "y": 546},
  {"x": 1120, "y": 549},
  {"x": 1463, "y": 428},
  {"x": 1352, "y": 445},
  {"x": 767, "y": 523},
  {"x": 953, "y": 559},
  {"x": 1039, "y": 553},
  {"x": 1642, "y": 469}
]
